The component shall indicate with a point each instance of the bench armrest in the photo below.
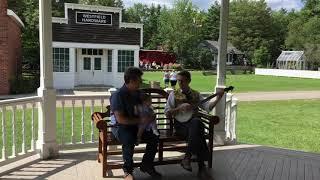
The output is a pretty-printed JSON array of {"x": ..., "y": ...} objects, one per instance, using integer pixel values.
[{"x": 98, "y": 120}]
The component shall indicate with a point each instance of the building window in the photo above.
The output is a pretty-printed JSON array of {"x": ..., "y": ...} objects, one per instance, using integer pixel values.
[
  {"x": 86, "y": 63},
  {"x": 61, "y": 60},
  {"x": 125, "y": 59},
  {"x": 97, "y": 63},
  {"x": 92, "y": 52},
  {"x": 109, "y": 60}
]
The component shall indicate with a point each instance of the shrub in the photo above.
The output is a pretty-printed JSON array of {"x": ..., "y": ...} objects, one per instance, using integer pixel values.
[{"x": 22, "y": 85}]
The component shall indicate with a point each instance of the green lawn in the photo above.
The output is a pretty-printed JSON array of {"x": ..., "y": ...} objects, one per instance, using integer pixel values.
[
  {"x": 243, "y": 82},
  {"x": 290, "y": 124}
]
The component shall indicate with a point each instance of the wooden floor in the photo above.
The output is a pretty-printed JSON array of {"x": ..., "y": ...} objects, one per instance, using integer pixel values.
[{"x": 247, "y": 162}]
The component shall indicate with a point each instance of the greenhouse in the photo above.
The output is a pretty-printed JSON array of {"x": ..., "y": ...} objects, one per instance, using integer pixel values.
[{"x": 291, "y": 60}]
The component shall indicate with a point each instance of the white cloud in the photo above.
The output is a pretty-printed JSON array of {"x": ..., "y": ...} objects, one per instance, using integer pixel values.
[{"x": 205, "y": 4}]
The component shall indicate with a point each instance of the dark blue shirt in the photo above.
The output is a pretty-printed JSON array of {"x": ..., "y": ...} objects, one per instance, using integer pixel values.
[{"x": 126, "y": 102}]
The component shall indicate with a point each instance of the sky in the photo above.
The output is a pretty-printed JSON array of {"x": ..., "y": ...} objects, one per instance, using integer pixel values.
[{"x": 205, "y": 4}]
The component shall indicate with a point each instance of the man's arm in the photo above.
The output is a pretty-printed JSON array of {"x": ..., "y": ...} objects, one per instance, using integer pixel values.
[
  {"x": 170, "y": 109},
  {"x": 208, "y": 106},
  {"x": 122, "y": 119},
  {"x": 118, "y": 108}
]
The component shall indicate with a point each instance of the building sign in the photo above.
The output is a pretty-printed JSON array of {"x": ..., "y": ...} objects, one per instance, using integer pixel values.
[{"x": 93, "y": 18}]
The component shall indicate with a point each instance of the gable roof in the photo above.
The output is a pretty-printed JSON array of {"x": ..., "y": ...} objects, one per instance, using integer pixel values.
[
  {"x": 291, "y": 56},
  {"x": 214, "y": 45}
]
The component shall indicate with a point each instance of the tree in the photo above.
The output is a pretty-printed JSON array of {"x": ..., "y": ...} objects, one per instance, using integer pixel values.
[
  {"x": 261, "y": 56},
  {"x": 113, "y": 3},
  {"x": 178, "y": 31},
  {"x": 250, "y": 25},
  {"x": 210, "y": 30},
  {"x": 149, "y": 16},
  {"x": 58, "y": 7},
  {"x": 303, "y": 32}
]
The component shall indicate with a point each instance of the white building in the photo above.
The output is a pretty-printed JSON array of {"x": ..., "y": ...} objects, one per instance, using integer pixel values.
[{"x": 92, "y": 46}]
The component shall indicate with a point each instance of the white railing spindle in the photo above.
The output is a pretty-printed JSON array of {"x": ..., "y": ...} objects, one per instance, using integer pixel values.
[
  {"x": 63, "y": 122},
  {"x": 14, "y": 147},
  {"x": 102, "y": 104},
  {"x": 14, "y": 106},
  {"x": 92, "y": 126},
  {"x": 82, "y": 122},
  {"x": 24, "y": 147},
  {"x": 72, "y": 123},
  {"x": 33, "y": 141},
  {"x": 4, "y": 133}
]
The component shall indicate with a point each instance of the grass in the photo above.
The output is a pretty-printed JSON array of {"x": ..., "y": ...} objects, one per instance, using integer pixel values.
[
  {"x": 243, "y": 82},
  {"x": 292, "y": 124}
]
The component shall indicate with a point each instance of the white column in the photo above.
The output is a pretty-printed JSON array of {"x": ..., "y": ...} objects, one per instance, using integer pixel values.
[
  {"x": 114, "y": 66},
  {"x": 220, "y": 129},
  {"x": 47, "y": 108},
  {"x": 136, "y": 58},
  {"x": 72, "y": 64}
]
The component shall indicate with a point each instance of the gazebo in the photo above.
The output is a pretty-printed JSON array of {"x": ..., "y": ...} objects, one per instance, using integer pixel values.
[{"x": 291, "y": 60}]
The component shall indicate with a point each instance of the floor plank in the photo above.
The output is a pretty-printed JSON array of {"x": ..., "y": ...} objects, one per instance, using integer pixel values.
[{"x": 238, "y": 162}]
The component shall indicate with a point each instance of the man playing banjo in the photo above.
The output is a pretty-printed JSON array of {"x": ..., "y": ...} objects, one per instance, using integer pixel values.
[{"x": 182, "y": 102}]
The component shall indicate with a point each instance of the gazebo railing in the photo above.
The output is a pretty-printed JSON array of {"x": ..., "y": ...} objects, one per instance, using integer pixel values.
[
  {"x": 19, "y": 123},
  {"x": 18, "y": 128}
]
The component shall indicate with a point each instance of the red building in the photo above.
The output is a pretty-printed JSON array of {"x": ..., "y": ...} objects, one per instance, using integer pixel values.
[
  {"x": 158, "y": 56},
  {"x": 10, "y": 46}
]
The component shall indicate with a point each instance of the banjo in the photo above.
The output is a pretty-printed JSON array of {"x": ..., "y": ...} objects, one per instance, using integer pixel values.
[{"x": 185, "y": 116}]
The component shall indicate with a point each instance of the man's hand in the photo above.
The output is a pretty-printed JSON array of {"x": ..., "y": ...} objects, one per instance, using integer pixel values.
[{"x": 220, "y": 93}]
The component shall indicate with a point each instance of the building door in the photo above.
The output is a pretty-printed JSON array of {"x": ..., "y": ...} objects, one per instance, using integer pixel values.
[{"x": 91, "y": 72}]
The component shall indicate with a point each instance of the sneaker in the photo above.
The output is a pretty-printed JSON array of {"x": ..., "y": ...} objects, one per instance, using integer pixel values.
[
  {"x": 151, "y": 171},
  {"x": 205, "y": 174},
  {"x": 186, "y": 164},
  {"x": 128, "y": 176}
]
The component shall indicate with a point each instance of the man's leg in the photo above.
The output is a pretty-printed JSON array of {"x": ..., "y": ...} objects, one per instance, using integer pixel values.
[
  {"x": 197, "y": 145},
  {"x": 151, "y": 149},
  {"x": 196, "y": 140},
  {"x": 126, "y": 135},
  {"x": 182, "y": 130}
]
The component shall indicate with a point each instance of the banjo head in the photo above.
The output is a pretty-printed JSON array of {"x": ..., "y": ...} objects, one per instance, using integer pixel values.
[{"x": 183, "y": 116}]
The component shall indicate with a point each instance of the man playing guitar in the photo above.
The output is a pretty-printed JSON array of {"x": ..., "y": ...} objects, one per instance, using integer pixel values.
[{"x": 184, "y": 100}]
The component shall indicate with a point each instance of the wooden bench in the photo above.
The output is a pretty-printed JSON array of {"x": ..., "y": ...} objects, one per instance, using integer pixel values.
[{"x": 168, "y": 140}]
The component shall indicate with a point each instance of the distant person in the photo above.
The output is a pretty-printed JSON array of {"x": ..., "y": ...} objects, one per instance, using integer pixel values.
[
  {"x": 141, "y": 64},
  {"x": 173, "y": 79},
  {"x": 153, "y": 65},
  {"x": 166, "y": 78}
]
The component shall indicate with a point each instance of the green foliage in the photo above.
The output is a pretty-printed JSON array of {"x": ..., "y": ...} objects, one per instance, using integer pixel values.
[
  {"x": 178, "y": 30},
  {"x": 261, "y": 56},
  {"x": 251, "y": 26},
  {"x": 113, "y": 3},
  {"x": 22, "y": 85},
  {"x": 303, "y": 32},
  {"x": 205, "y": 59},
  {"x": 149, "y": 16},
  {"x": 210, "y": 30}
]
